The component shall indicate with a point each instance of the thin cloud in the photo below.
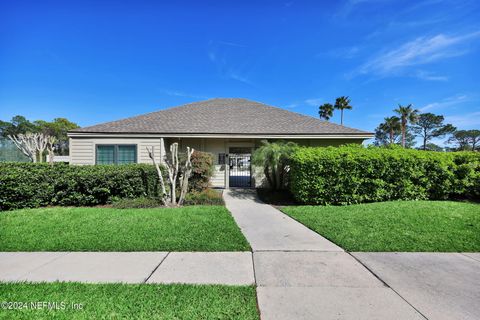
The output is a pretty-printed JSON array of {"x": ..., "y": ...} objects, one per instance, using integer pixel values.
[
  {"x": 235, "y": 76},
  {"x": 176, "y": 93},
  {"x": 350, "y": 5},
  {"x": 420, "y": 51},
  {"x": 314, "y": 102},
  {"x": 448, "y": 102},
  {"x": 212, "y": 56},
  {"x": 232, "y": 44},
  {"x": 342, "y": 52},
  {"x": 400, "y": 25},
  {"x": 465, "y": 121},
  {"x": 425, "y": 75},
  {"x": 224, "y": 68}
]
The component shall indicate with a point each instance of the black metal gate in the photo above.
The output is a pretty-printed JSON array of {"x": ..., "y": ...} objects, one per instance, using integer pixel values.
[{"x": 240, "y": 170}]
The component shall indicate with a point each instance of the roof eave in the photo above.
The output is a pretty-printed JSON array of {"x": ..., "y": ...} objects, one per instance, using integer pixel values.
[{"x": 354, "y": 135}]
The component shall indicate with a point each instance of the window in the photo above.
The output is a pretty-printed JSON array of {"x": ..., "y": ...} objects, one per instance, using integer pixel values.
[
  {"x": 221, "y": 158},
  {"x": 116, "y": 154}
]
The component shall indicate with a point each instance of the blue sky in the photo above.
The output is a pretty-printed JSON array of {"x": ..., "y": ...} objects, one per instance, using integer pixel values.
[{"x": 95, "y": 61}]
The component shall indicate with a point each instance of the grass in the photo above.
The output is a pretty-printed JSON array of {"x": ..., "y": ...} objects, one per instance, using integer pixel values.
[
  {"x": 122, "y": 301},
  {"x": 409, "y": 226},
  {"x": 195, "y": 228}
]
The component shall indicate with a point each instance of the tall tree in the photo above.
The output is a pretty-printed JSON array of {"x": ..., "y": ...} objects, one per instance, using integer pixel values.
[
  {"x": 342, "y": 103},
  {"x": 391, "y": 125},
  {"x": 407, "y": 115},
  {"x": 325, "y": 111},
  {"x": 385, "y": 136},
  {"x": 475, "y": 139},
  {"x": 429, "y": 125},
  {"x": 18, "y": 125},
  {"x": 466, "y": 139},
  {"x": 58, "y": 128}
]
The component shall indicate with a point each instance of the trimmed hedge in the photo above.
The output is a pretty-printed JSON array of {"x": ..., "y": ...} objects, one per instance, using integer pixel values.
[
  {"x": 355, "y": 174},
  {"x": 29, "y": 185}
]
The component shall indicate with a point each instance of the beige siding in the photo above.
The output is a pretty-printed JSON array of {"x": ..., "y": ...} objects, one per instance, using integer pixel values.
[
  {"x": 82, "y": 151},
  {"x": 216, "y": 146}
]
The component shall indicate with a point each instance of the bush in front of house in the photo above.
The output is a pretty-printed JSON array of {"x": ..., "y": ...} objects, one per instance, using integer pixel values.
[
  {"x": 355, "y": 174},
  {"x": 205, "y": 197},
  {"x": 136, "y": 203},
  {"x": 29, "y": 185},
  {"x": 202, "y": 171}
]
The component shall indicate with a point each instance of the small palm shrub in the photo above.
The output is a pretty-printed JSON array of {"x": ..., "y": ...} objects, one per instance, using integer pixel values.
[{"x": 274, "y": 157}]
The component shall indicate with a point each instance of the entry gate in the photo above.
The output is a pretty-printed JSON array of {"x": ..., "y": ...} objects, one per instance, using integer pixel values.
[{"x": 240, "y": 170}]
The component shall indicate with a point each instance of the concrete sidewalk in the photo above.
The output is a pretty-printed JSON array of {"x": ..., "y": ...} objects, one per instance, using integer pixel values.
[
  {"x": 231, "y": 268},
  {"x": 441, "y": 286}
]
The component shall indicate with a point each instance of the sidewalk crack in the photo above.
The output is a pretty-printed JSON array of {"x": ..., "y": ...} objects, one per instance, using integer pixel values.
[
  {"x": 466, "y": 255},
  {"x": 386, "y": 284},
  {"x": 155, "y": 269},
  {"x": 63, "y": 254}
]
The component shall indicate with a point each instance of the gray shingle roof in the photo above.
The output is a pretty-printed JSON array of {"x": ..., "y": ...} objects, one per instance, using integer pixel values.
[{"x": 222, "y": 116}]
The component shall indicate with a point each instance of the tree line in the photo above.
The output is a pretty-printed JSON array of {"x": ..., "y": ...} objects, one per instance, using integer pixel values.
[
  {"x": 55, "y": 131},
  {"x": 408, "y": 124}
]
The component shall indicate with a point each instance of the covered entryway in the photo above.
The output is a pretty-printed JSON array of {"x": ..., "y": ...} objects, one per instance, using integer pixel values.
[{"x": 240, "y": 167}]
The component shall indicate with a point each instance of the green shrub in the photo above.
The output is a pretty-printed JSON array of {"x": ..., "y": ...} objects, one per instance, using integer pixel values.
[
  {"x": 355, "y": 174},
  {"x": 205, "y": 197},
  {"x": 202, "y": 171},
  {"x": 142, "y": 202},
  {"x": 28, "y": 185}
]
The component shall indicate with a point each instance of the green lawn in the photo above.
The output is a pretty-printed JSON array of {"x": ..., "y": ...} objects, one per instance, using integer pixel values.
[
  {"x": 441, "y": 226},
  {"x": 122, "y": 301},
  {"x": 193, "y": 228}
]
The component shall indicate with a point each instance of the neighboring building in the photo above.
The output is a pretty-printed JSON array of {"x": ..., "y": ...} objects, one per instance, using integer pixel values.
[
  {"x": 230, "y": 129},
  {"x": 9, "y": 152},
  {"x": 56, "y": 158}
]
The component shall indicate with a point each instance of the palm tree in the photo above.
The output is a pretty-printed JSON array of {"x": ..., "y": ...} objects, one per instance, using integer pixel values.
[
  {"x": 341, "y": 104},
  {"x": 407, "y": 114},
  {"x": 273, "y": 157},
  {"x": 391, "y": 125},
  {"x": 325, "y": 111}
]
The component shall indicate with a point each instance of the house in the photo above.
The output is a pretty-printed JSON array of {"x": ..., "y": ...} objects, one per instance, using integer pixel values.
[{"x": 230, "y": 129}]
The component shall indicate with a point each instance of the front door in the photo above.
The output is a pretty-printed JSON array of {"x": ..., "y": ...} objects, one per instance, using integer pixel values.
[{"x": 240, "y": 168}]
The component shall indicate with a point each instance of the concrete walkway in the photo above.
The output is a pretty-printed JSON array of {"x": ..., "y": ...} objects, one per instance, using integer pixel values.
[
  {"x": 301, "y": 275},
  {"x": 267, "y": 229}
]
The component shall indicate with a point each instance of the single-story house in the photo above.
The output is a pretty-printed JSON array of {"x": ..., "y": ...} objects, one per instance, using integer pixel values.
[{"x": 230, "y": 129}]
